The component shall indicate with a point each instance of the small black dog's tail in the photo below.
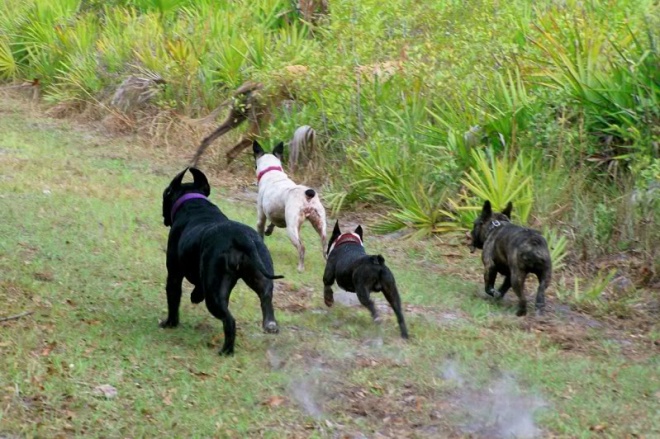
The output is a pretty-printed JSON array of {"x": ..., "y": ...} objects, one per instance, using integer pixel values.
[
  {"x": 251, "y": 251},
  {"x": 310, "y": 193},
  {"x": 377, "y": 259}
]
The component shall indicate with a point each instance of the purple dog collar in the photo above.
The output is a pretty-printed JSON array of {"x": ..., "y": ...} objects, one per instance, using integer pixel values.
[{"x": 183, "y": 199}]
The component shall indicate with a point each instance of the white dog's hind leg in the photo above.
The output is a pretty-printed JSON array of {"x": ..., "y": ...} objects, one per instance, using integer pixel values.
[
  {"x": 294, "y": 219},
  {"x": 318, "y": 222},
  {"x": 261, "y": 220},
  {"x": 293, "y": 230}
]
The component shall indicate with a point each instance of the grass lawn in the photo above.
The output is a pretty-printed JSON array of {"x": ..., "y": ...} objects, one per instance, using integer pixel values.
[{"x": 82, "y": 248}]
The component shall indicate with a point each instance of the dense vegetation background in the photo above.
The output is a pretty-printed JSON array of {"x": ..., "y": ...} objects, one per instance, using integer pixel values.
[{"x": 437, "y": 105}]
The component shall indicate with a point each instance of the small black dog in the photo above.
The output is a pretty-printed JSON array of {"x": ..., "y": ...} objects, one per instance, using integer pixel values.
[
  {"x": 357, "y": 272},
  {"x": 512, "y": 251},
  {"x": 212, "y": 252}
]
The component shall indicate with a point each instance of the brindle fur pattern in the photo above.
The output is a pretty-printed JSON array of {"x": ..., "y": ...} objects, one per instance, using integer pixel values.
[{"x": 512, "y": 251}]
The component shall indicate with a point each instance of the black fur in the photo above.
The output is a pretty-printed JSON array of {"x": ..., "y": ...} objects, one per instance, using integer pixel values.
[
  {"x": 213, "y": 253},
  {"x": 357, "y": 272},
  {"x": 513, "y": 252}
]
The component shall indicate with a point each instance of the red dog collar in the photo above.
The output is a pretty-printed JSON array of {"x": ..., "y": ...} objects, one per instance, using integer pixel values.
[
  {"x": 268, "y": 169},
  {"x": 344, "y": 239}
]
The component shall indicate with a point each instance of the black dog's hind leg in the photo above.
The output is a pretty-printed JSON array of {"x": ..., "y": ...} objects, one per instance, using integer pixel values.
[
  {"x": 173, "y": 290},
  {"x": 264, "y": 289},
  {"x": 217, "y": 302},
  {"x": 544, "y": 281},
  {"x": 392, "y": 295},
  {"x": 489, "y": 280},
  {"x": 506, "y": 285},
  {"x": 363, "y": 294},
  {"x": 197, "y": 295},
  {"x": 518, "y": 283},
  {"x": 328, "y": 280}
]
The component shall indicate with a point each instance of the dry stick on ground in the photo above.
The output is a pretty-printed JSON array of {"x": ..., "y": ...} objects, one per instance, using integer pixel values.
[
  {"x": 16, "y": 317},
  {"x": 246, "y": 104}
]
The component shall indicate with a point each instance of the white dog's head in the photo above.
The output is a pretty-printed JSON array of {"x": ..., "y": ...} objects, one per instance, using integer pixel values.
[{"x": 265, "y": 160}]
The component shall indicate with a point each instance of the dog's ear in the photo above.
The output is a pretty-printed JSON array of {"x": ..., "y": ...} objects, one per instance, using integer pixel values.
[
  {"x": 487, "y": 210},
  {"x": 201, "y": 181},
  {"x": 176, "y": 182},
  {"x": 336, "y": 229},
  {"x": 278, "y": 151},
  {"x": 257, "y": 150},
  {"x": 507, "y": 210},
  {"x": 358, "y": 230},
  {"x": 335, "y": 234}
]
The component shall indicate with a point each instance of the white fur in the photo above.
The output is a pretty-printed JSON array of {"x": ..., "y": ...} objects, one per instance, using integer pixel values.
[{"x": 284, "y": 204}]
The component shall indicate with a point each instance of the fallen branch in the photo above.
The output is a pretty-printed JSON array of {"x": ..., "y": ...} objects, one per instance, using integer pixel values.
[{"x": 16, "y": 317}]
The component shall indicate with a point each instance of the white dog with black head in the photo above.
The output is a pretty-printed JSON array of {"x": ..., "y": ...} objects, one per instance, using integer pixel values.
[{"x": 284, "y": 203}]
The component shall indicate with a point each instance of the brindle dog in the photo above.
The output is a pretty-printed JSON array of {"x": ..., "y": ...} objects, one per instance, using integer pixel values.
[{"x": 513, "y": 252}]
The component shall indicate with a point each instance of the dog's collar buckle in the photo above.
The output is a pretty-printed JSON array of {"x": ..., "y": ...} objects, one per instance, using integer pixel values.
[
  {"x": 267, "y": 170},
  {"x": 183, "y": 199},
  {"x": 496, "y": 223}
]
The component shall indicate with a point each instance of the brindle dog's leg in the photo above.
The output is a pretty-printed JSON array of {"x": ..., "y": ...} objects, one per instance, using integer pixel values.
[
  {"x": 518, "y": 283},
  {"x": 544, "y": 281},
  {"x": 506, "y": 285},
  {"x": 490, "y": 274}
]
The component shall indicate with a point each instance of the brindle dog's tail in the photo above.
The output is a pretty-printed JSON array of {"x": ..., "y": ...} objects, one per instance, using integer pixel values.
[
  {"x": 535, "y": 250},
  {"x": 250, "y": 249}
]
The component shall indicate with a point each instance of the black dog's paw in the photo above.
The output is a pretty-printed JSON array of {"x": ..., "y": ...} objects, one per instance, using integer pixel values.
[
  {"x": 169, "y": 323},
  {"x": 269, "y": 229},
  {"x": 196, "y": 296},
  {"x": 521, "y": 312},
  {"x": 491, "y": 292},
  {"x": 271, "y": 328},
  {"x": 226, "y": 351}
]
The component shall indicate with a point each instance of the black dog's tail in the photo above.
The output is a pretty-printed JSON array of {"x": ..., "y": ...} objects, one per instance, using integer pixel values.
[
  {"x": 310, "y": 193},
  {"x": 377, "y": 259},
  {"x": 250, "y": 248}
]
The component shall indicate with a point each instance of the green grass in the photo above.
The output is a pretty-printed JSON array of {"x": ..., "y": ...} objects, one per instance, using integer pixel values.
[{"x": 82, "y": 245}]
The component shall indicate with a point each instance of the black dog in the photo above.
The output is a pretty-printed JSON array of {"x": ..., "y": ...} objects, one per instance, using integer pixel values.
[
  {"x": 212, "y": 252},
  {"x": 512, "y": 251},
  {"x": 357, "y": 272}
]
